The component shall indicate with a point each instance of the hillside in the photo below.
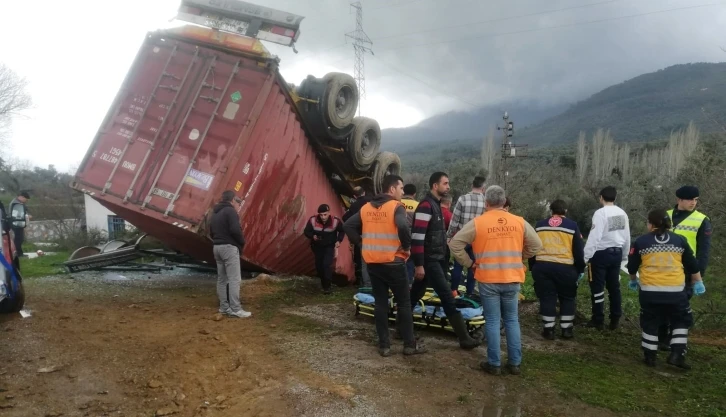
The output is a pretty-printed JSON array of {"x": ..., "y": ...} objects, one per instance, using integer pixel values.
[
  {"x": 470, "y": 126},
  {"x": 646, "y": 107}
]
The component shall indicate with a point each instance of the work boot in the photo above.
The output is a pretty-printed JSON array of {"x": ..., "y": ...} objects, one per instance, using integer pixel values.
[
  {"x": 649, "y": 358},
  {"x": 549, "y": 333},
  {"x": 385, "y": 352},
  {"x": 514, "y": 369},
  {"x": 614, "y": 323},
  {"x": 419, "y": 349},
  {"x": 491, "y": 369},
  {"x": 678, "y": 358},
  {"x": 592, "y": 325},
  {"x": 459, "y": 326},
  {"x": 568, "y": 333},
  {"x": 664, "y": 347}
]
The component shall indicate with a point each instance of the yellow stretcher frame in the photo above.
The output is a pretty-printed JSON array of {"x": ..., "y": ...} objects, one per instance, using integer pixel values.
[{"x": 475, "y": 325}]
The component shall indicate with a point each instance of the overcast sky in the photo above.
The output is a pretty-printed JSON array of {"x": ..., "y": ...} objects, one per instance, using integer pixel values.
[{"x": 431, "y": 56}]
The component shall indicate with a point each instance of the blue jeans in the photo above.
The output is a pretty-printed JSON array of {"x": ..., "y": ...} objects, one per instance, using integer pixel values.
[
  {"x": 456, "y": 275},
  {"x": 500, "y": 301}
]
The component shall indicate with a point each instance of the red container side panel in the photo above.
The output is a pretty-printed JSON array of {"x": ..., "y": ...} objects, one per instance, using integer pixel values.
[
  {"x": 192, "y": 121},
  {"x": 282, "y": 184}
]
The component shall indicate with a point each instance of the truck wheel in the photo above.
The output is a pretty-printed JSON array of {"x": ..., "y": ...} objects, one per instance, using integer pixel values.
[
  {"x": 364, "y": 142},
  {"x": 340, "y": 99},
  {"x": 387, "y": 163}
]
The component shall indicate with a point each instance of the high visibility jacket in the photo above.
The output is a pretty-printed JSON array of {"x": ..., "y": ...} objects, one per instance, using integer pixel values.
[
  {"x": 498, "y": 248},
  {"x": 661, "y": 262},
  {"x": 561, "y": 242},
  {"x": 410, "y": 205},
  {"x": 688, "y": 227},
  {"x": 380, "y": 235}
]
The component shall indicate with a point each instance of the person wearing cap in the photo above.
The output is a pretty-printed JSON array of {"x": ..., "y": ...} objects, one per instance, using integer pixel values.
[
  {"x": 361, "y": 271},
  {"x": 19, "y": 212},
  {"x": 695, "y": 227},
  {"x": 325, "y": 233}
]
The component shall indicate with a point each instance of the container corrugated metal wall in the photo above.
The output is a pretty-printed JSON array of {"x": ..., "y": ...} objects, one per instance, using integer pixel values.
[{"x": 192, "y": 121}]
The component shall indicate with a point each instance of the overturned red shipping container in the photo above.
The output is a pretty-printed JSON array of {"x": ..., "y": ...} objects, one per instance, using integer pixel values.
[{"x": 201, "y": 112}]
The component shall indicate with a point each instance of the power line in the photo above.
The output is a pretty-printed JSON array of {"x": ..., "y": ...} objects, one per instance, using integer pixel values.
[
  {"x": 407, "y": 74},
  {"x": 496, "y": 20},
  {"x": 550, "y": 27},
  {"x": 396, "y": 5}
]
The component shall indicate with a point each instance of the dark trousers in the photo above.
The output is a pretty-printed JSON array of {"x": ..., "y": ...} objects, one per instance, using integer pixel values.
[
  {"x": 657, "y": 309},
  {"x": 436, "y": 278},
  {"x": 357, "y": 258},
  {"x": 410, "y": 267},
  {"x": 554, "y": 282},
  {"x": 457, "y": 272},
  {"x": 18, "y": 240},
  {"x": 324, "y": 264},
  {"x": 605, "y": 273},
  {"x": 393, "y": 276},
  {"x": 664, "y": 330}
]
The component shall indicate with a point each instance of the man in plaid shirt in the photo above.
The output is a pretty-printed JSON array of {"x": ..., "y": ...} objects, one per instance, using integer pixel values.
[{"x": 467, "y": 208}]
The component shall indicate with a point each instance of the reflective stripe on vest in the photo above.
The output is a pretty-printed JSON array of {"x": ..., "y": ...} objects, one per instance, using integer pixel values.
[
  {"x": 498, "y": 248},
  {"x": 688, "y": 228},
  {"x": 556, "y": 245},
  {"x": 380, "y": 235},
  {"x": 661, "y": 267}
]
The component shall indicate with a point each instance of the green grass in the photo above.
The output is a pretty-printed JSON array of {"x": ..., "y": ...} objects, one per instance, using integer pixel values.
[
  {"x": 606, "y": 377},
  {"x": 43, "y": 265}
]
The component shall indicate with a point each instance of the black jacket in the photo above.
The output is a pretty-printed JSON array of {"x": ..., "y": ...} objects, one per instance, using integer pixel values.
[
  {"x": 703, "y": 238},
  {"x": 225, "y": 228},
  {"x": 328, "y": 233},
  {"x": 355, "y": 207}
]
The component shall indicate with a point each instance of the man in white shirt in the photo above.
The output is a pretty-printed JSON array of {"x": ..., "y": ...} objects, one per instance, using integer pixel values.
[{"x": 606, "y": 248}]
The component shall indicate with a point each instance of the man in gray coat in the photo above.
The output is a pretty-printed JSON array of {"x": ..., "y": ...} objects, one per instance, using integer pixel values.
[{"x": 226, "y": 234}]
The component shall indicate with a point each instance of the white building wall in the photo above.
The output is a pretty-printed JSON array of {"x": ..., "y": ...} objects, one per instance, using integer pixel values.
[{"x": 96, "y": 214}]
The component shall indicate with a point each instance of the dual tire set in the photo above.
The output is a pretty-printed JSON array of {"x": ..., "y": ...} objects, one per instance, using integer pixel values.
[{"x": 353, "y": 143}]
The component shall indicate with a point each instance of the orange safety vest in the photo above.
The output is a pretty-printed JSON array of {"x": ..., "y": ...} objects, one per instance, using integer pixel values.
[
  {"x": 498, "y": 248},
  {"x": 380, "y": 235}
]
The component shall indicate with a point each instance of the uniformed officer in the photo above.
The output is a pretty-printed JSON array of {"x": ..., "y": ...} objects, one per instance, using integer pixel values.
[
  {"x": 696, "y": 228},
  {"x": 325, "y": 233},
  {"x": 661, "y": 257},
  {"x": 605, "y": 250},
  {"x": 556, "y": 269}
]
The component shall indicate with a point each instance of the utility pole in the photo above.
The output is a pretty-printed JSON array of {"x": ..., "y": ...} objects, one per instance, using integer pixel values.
[
  {"x": 509, "y": 149},
  {"x": 361, "y": 44}
]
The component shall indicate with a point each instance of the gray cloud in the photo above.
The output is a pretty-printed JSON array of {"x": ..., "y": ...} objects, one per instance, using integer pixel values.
[{"x": 508, "y": 58}]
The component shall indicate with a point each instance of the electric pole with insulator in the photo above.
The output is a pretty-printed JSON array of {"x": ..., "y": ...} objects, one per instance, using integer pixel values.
[
  {"x": 509, "y": 149},
  {"x": 361, "y": 44}
]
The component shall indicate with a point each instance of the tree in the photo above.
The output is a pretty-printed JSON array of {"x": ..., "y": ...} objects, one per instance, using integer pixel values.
[{"x": 13, "y": 95}]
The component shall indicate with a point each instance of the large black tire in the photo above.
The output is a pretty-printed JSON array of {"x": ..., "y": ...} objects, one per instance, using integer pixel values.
[
  {"x": 387, "y": 163},
  {"x": 340, "y": 100},
  {"x": 364, "y": 143}
]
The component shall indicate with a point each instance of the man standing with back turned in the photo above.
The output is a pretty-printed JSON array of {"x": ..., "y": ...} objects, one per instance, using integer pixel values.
[
  {"x": 386, "y": 244},
  {"x": 466, "y": 209},
  {"x": 228, "y": 241},
  {"x": 606, "y": 248}
]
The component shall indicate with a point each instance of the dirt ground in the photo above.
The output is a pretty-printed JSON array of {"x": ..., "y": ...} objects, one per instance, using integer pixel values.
[{"x": 113, "y": 344}]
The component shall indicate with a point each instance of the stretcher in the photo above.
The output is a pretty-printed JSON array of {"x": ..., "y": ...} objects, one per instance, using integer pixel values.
[{"x": 428, "y": 313}]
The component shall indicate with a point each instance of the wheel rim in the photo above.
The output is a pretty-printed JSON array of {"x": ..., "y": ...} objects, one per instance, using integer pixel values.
[
  {"x": 365, "y": 148},
  {"x": 343, "y": 102}
]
